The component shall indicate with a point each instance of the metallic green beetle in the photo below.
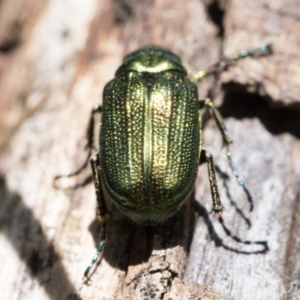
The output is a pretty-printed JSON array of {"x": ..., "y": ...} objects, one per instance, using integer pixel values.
[
  {"x": 150, "y": 133},
  {"x": 150, "y": 138}
]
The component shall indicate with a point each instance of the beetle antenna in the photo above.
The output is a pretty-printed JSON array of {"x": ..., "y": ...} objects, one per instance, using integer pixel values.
[{"x": 237, "y": 177}]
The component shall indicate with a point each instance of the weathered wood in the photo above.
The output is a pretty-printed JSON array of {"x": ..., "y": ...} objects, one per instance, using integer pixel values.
[
  {"x": 251, "y": 23},
  {"x": 53, "y": 67}
]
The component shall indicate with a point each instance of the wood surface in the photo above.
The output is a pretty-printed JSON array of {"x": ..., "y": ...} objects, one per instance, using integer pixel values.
[{"x": 55, "y": 58}]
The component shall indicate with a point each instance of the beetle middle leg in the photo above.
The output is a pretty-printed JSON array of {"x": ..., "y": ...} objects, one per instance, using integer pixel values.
[
  {"x": 101, "y": 211},
  {"x": 89, "y": 145}
]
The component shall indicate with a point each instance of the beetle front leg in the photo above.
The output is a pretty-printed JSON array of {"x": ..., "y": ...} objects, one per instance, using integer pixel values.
[
  {"x": 224, "y": 63},
  {"x": 101, "y": 211},
  {"x": 89, "y": 144}
]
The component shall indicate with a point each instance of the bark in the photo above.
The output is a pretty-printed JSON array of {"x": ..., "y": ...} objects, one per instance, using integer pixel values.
[{"x": 55, "y": 58}]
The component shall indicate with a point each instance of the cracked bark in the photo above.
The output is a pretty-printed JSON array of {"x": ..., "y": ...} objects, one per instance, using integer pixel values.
[{"x": 55, "y": 59}]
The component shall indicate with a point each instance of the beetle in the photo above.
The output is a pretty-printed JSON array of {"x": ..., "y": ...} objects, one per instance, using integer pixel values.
[{"x": 150, "y": 142}]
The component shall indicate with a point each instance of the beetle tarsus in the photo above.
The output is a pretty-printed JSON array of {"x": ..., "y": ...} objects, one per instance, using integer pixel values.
[
  {"x": 238, "y": 178},
  {"x": 101, "y": 212},
  {"x": 97, "y": 255}
]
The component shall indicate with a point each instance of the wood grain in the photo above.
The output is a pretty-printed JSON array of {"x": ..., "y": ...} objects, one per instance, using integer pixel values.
[{"x": 53, "y": 66}]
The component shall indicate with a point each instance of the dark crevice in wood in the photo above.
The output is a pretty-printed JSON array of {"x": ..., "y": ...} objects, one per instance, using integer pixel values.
[
  {"x": 169, "y": 282},
  {"x": 217, "y": 13},
  {"x": 277, "y": 118},
  {"x": 40, "y": 256},
  {"x": 12, "y": 39},
  {"x": 141, "y": 244},
  {"x": 123, "y": 11},
  {"x": 73, "y": 297}
]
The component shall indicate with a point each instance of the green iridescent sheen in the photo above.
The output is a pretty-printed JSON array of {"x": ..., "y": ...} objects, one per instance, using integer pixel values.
[{"x": 150, "y": 135}]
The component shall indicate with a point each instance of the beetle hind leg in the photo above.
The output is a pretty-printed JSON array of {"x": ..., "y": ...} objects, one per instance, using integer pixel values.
[
  {"x": 226, "y": 141},
  {"x": 217, "y": 205},
  {"x": 101, "y": 211}
]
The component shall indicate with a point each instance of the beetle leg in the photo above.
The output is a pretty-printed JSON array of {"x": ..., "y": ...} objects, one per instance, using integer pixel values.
[
  {"x": 101, "y": 211},
  {"x": 227, "y": 141},
  {"x": 218, "y": 118},
  {"x": 224, "y": 63},
  {"x": 90, "y": 130},
  {"x": 217, "y": 205},
  {"x": 89, "y": 144},
  {"x": 207, "y": 157},
  {"x": 101, "y": 207}
]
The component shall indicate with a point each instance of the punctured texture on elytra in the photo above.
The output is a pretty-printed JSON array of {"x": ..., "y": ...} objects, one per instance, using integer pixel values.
[{"x": 150, "y": 133}]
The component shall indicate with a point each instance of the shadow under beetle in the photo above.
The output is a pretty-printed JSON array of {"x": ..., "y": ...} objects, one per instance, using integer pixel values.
[{"x": 150, "y": 142}]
